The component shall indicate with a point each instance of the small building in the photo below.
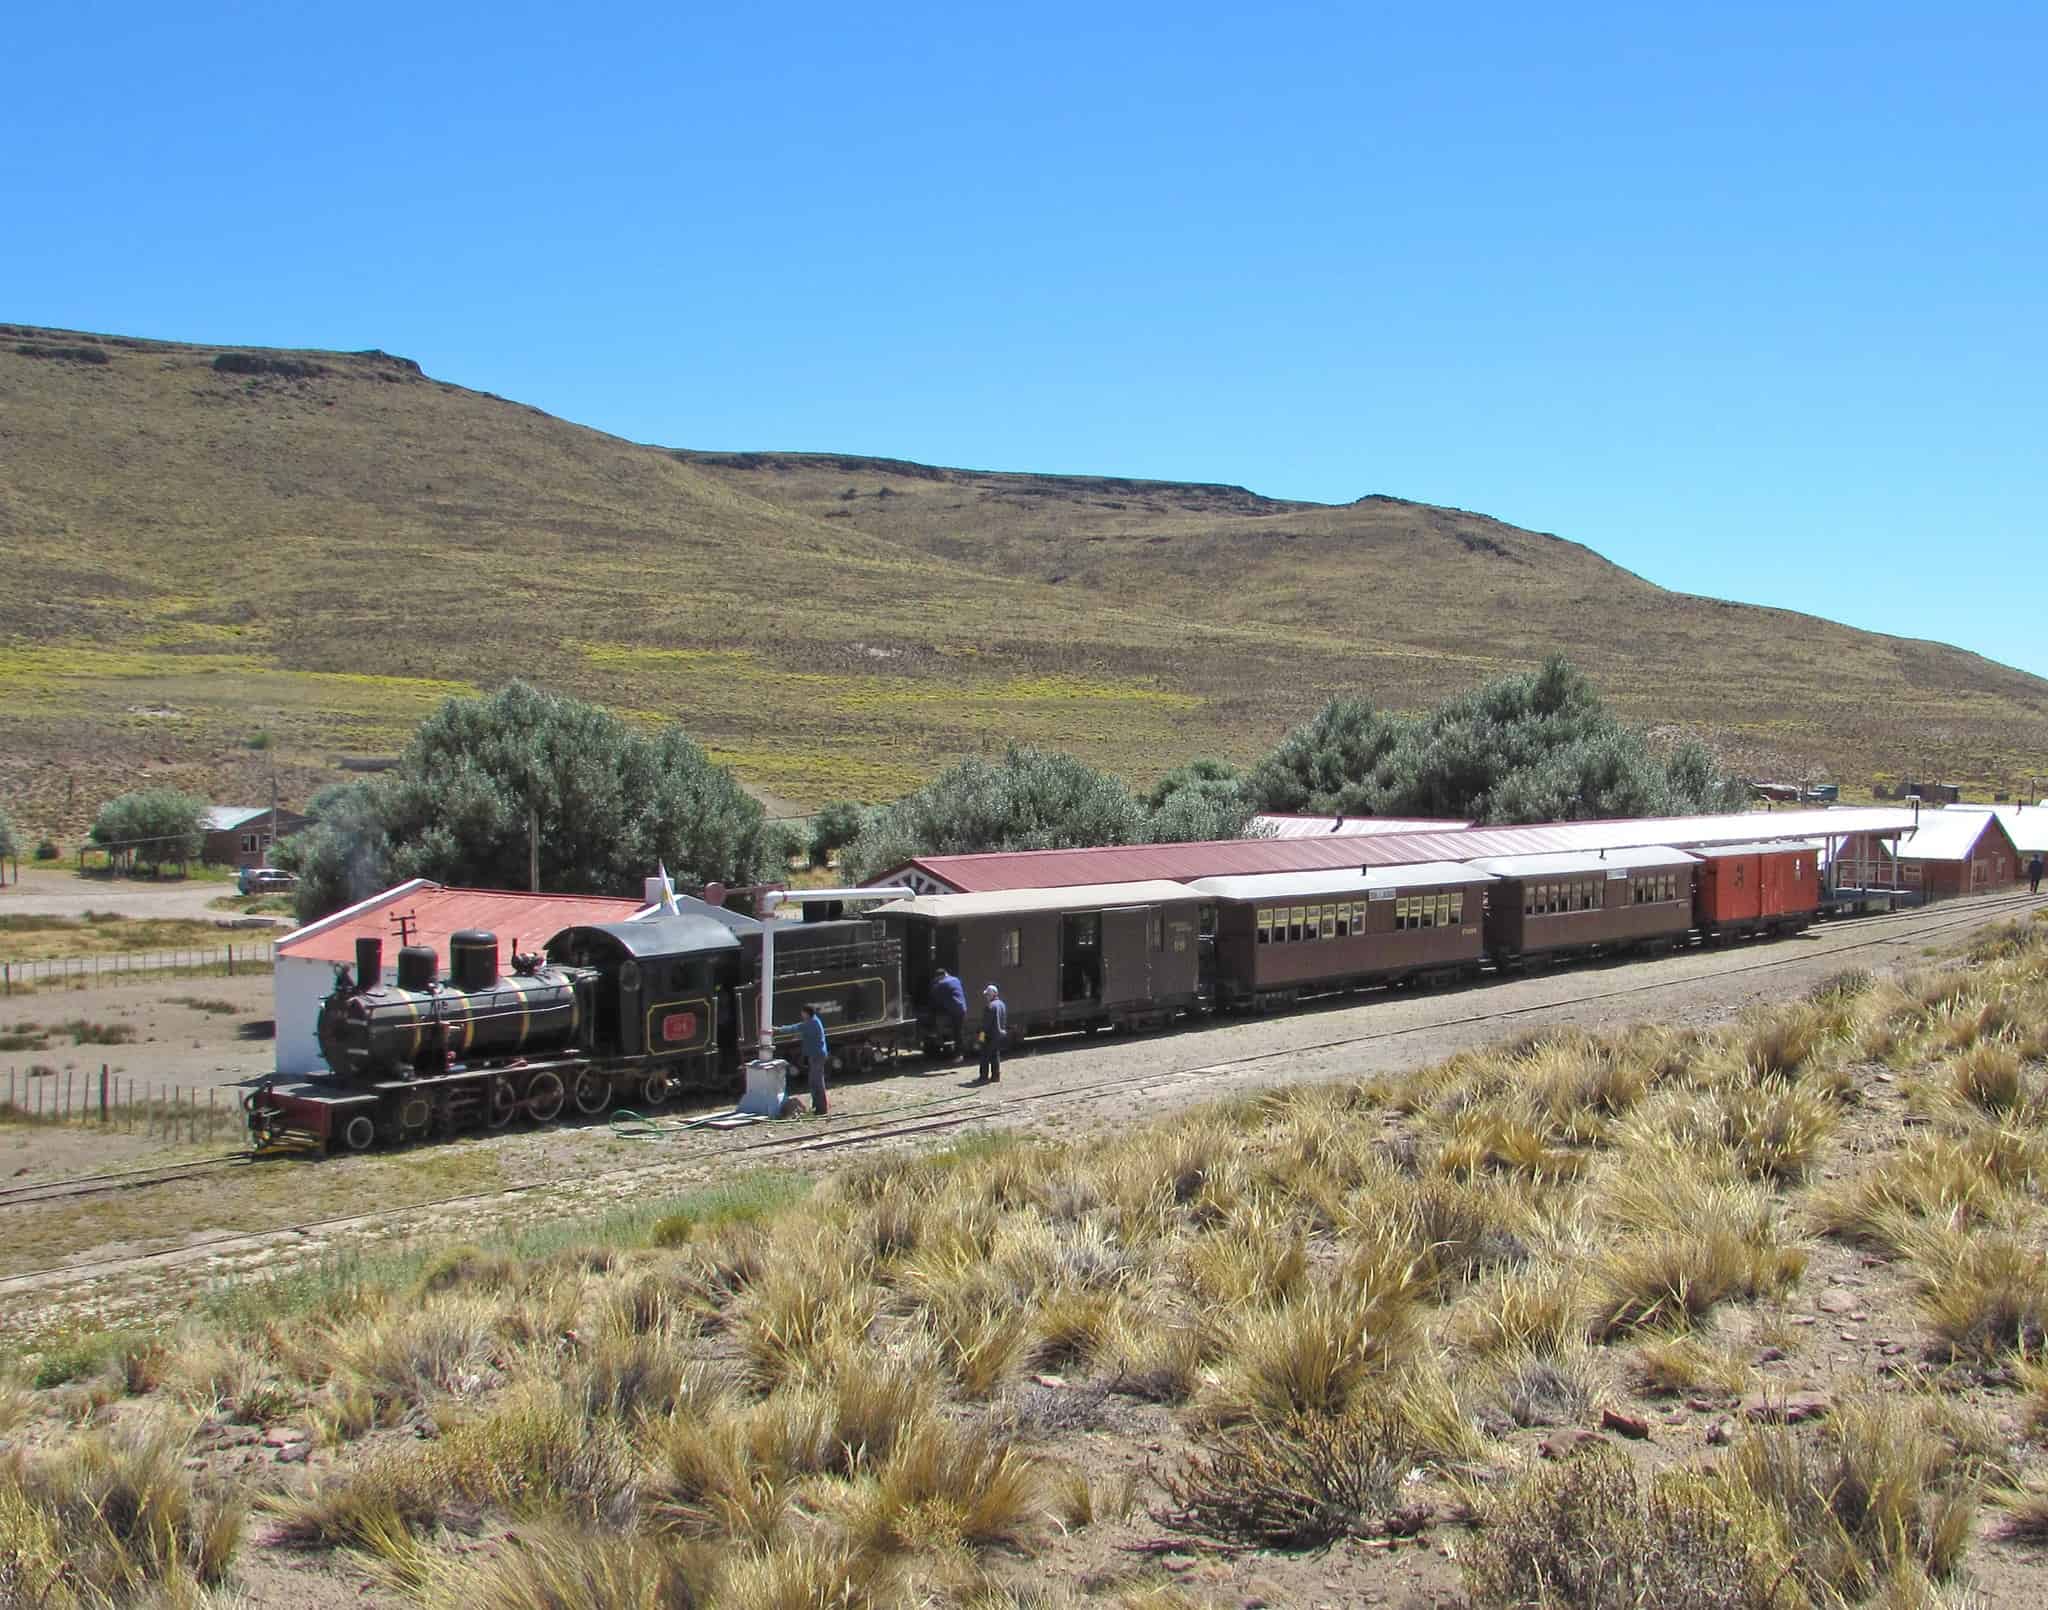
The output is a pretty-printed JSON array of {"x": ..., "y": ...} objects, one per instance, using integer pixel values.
[
  {"x": 2025, "y": 825},
  {"x": 241, "y": 835},
  {"x": 309, "y": 957},
  {"x": 1951, "y": 852}
]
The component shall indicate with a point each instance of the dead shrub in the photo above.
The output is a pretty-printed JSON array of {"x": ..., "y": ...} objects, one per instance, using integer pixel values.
[
  {"x": 1300, "y": 1482},
  {"x": 1594, "y": 1534},
  {"x": 1535, "y": 1389}
]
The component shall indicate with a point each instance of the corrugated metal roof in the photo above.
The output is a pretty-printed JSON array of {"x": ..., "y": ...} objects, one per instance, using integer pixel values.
[
  {"x": 226, "y": 818},
  {"x": 1102, "y": 896},
  {"x": 1044, "y": 869},
  {"x": 1708, "y": 852},
  {"x": 2026, "y": 825},
  {"x": 1946, "y": 835},
  {"x": 530, "y": 920},
  {"x": 1561, "y": 866},
  {"x": 1310, "y": 827},
  {"x": 1347, "y": 880}
]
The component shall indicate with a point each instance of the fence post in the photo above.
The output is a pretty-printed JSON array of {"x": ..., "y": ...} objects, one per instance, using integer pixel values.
[
  {"x": 231, "y": 961},
  {"x": 66, "y": 1113},
  {"x": 7, "y": 974},
  {"x": 212, "y": 1097},
  {"x": 103, "y": 1093}
]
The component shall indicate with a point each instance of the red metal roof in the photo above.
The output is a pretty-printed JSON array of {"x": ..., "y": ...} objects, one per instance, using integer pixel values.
[
  {"x": 530, "y": 920},
  {"x": 1053, "y": 869}
]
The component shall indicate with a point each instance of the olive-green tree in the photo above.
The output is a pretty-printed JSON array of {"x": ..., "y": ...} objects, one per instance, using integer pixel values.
[
  {"x": 482, "y": 776},
  {"x": 1030, "y": 800},
  {"x": 151, "y": 827},
  {"x": 1539, "y": 746}
]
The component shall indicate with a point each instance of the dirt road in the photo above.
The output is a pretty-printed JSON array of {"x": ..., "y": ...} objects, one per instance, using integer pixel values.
[{"x": 46, "y": 892}]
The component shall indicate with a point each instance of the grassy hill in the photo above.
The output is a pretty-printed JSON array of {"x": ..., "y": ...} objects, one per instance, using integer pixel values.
[{"x": 203, "y": 545}]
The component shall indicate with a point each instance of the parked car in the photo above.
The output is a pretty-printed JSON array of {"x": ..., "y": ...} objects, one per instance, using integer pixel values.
[{"x": 266, "y": 880}]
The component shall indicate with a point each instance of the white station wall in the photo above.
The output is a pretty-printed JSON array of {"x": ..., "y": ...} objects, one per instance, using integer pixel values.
[{"x": 300, "y": 986}]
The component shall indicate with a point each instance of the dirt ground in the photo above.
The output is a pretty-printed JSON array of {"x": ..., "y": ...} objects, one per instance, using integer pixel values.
[
  {"x": 136, "y": 1255},
  {"x": 51, "y": 892},
  {"x": 1850, "y": 1321}
]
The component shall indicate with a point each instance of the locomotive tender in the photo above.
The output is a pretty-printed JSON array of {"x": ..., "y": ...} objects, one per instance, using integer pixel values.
[{"x": 633, "y": 1011}]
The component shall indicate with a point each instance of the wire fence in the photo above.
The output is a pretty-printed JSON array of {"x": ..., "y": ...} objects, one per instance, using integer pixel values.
[
  {"x": 113, "y": 1101},
  {"x": 249, "y": 955}
]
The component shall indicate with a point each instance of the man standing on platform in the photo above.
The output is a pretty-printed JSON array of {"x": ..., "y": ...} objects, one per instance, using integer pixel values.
[
  {"x": 810, "y": 1036},
  {"x": 995, "y": 1023}
]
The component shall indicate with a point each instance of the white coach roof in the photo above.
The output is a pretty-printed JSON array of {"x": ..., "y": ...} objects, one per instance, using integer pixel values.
[
  {"x": 1560, "y": 866},
  {"x": 1079, "y": 897},
  {"x": 1287, "y": 885}
]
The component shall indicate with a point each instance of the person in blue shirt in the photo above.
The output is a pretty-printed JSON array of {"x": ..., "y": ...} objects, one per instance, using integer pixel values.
[
  {"x": 995, "y": 1023},
  {"x": 810, "y": 1035},
  {"x": 949, "y": 1008}
]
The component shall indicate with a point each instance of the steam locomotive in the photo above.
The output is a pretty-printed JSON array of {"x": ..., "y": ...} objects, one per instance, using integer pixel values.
[
  {"x": 627, "y": 1012},
  {"x": 633, "y": 1011}
]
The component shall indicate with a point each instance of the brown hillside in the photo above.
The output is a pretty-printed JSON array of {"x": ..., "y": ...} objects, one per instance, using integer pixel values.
[{"x": 203, "y": 544}]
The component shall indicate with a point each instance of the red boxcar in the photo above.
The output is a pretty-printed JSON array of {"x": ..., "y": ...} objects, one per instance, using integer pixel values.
[{"x": 1757, "y": 888}]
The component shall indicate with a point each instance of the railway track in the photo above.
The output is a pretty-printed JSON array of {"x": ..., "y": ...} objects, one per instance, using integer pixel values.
[{"x": 940, "y": 1114}]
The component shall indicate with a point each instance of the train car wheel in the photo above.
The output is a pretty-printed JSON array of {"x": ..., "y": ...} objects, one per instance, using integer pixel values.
[
  {"x": 593, "y": 1090},
  {"x": 358, "y": 1133},
  {"x": 654, "y": 1090},
  {"x": 500, "y": 1104},
  {"x": 544, "y": 1097}
]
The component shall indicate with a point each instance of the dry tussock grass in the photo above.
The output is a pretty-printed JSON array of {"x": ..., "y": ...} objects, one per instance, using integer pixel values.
[
  {"x": 112, "y": 1518},
  {"x": 1324, "y": 1281}
]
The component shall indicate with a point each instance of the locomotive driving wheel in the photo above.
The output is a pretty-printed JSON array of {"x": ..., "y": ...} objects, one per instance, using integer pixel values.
[
  {"x": 500, "y": 1104},
  {"x": 358, "y": 1132},
  {"x": 654, "y": 1090},
  {"x": 593, "y": 1090},
  {"x": 544, "y": 1096}
]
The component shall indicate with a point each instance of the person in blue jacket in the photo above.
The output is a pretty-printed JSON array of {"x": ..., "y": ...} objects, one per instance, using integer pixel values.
[
  {"x": 949, "y": 1008},
  {"x": 995, "y": 1023},
  {"x": 810, "y": 1035}
]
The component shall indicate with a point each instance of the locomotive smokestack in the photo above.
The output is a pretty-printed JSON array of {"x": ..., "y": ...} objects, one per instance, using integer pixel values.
[{"x": 369, "y": 962}]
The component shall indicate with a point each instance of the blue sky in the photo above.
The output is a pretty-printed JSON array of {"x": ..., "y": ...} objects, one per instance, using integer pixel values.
[{"x": 1750, "y": 299}]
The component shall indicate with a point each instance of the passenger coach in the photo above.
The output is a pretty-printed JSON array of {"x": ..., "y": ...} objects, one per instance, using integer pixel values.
[
  {"x": 1607, "y": 900},
  {"x": 1280, "y": 935}
]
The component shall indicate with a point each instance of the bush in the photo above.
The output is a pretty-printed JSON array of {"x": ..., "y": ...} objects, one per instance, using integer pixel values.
[
  {"x": 1032, "y": 800},
  {"x": 47, "y": 850},
  {"x": 610, "y": 803},
  {"x": 1530, "y": 748},
  {"x": 151, "y": 827},
  {"x": 1299, "y": 1483},
  {"x": 1592, "y": 1534}
]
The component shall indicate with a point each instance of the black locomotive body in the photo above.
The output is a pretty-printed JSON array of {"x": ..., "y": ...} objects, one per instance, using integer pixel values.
[{"x": 613, "y": 1012}]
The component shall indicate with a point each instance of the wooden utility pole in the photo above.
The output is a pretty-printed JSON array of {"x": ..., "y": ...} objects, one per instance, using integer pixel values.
[{"x": 533, "y": 849}]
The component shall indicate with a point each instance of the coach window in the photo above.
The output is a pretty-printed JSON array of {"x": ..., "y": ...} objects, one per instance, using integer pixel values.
[
  {"x": 1294, "y": 925},
  {"x": 1265, "y": 925},
  {"x": 1343, "y": 922},
  {"x": 1457, "y": 907},
  {"x": 1329, "y": 924},
  {"x": 1013, "y": 946},
  {"x": 1158, "y": 934}
]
